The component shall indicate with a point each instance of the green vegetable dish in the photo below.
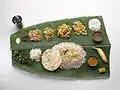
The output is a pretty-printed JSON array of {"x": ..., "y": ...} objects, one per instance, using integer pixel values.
[{"x": 63, "y": 48}]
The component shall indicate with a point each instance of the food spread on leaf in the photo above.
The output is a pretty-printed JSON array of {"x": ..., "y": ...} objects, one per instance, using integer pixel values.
[{"x": 67, "y": 48}]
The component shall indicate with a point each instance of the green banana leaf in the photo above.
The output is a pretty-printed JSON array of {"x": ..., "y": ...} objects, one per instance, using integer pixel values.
[{"x": 85, "y": 72}]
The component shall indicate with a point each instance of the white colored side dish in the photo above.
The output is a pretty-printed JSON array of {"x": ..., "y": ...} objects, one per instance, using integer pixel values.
[
  {"x": 94, "y": 24},
  {"x": 35, "y": 54},
  {"x": 18, "y": 40}
]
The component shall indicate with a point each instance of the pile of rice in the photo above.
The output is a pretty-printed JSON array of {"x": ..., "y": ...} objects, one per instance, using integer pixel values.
[
  {"x": 94, "y": 24},
  {"x": 72, "y": 55},
  {"x": 35, "y": 54}
]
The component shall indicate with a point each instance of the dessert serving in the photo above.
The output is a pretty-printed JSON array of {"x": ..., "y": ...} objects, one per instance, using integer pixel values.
[{"x": 76, "y": 48}]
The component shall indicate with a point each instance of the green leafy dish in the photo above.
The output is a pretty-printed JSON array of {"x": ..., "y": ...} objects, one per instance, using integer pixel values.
[{"x": 62, "y": 48}]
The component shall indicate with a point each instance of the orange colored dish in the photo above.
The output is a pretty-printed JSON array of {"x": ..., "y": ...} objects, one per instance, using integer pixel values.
[{"x": 92, "y": 61}]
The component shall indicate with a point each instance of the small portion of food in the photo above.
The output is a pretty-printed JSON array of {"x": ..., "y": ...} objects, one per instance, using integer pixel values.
[
  {"x": 79, "y": 28},
  {"x": 24, "y": 35},
  {"x": 51, "y": 59},
  {"x": 18, "y": 40},
  {"x": 49, "y": 33},
  {"x": 19, "y": 56},
  {"x": 35, "y": 35},
  {"x": 64, "y": 31},
  {"x": 102, "y": 54},
  {"x": 97, "y": 36},
  {"x": 102, "y": 70},
  {"x": 94, "y": 24},
  {"x": 92, "y": 61},
  {"x": 72, "y": 55},
  {"x": 35, "y": 54}
]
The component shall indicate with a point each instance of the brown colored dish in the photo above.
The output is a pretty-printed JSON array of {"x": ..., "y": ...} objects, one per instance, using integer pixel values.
[
  {"x": 92, "y": 61},
  {"x": 97, "y": 36}
]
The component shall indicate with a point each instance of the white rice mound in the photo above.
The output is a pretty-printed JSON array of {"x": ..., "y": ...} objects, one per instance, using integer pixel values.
[
  {"x": 71, "y": 63},
  {"x": 94, "y": 24},
  {"x": 35, "y": 54}
]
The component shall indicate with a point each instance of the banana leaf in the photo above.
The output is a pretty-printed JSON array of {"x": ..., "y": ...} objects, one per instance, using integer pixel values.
[{"x": 85, "y": 72}]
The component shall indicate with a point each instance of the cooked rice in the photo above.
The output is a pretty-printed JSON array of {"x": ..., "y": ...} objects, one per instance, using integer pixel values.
[
  {"x": 94, "y": 24},
  {"x": 70, "y": 61},
  {"x": 35, "y": 54}
]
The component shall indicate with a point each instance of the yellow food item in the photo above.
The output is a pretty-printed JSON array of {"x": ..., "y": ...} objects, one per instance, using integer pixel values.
[
  {"x": 102, "y": 54},
  {"x": 92, "y": 61},
  {"x": 64, "y": 31},
  {"x": 102, "y": 70},
  {"x": 49, "y": 33},
  {"x": 79, "y": 28}
]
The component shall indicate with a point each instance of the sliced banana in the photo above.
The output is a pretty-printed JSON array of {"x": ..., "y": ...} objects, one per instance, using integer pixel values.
[
  {"x": 102, "y": 54},
  {"x": 51, "y": 59}
]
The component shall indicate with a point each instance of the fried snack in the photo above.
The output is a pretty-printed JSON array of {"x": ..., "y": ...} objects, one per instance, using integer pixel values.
[
  {"x": 49, "y": 33},
  {"x": 64, "y": 31},
  {"x": 35, "y": 35},
  {"x": 79, "y": 28}
]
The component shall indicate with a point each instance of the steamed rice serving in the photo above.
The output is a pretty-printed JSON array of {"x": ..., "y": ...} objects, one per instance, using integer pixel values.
[{"x": 72, "y": 55}]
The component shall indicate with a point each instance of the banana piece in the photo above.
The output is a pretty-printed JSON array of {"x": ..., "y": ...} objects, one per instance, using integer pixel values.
[
  {"x": 102, "y": 70},
  {"x": 102, "y": 54}
]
